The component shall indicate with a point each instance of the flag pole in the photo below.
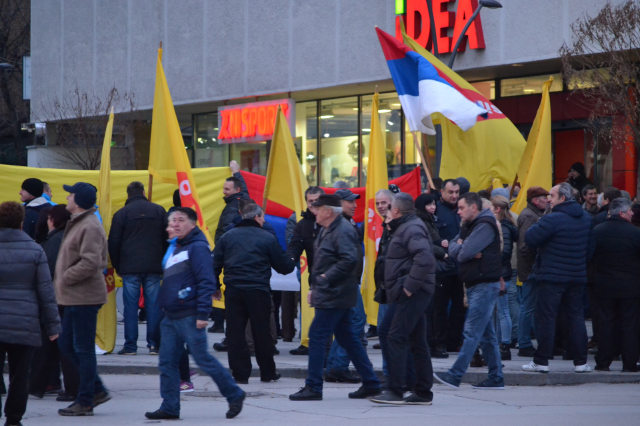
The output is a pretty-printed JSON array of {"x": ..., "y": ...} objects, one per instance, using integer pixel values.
[
  {"x": 265, "y": 194},
  {"x": 150, "y": 192},
  {"x": 423, "y": 161}
]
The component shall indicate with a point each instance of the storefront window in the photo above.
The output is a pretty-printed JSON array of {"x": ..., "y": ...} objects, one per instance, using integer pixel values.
[
  {"x": 208, "y": 152},
  {"x": 307, "y": 139},
  {"x": 528, "y": 85},
  {"x": 252, "y": 157},
  {"x": 339, "y": 142},
  {"x": 486, "y": 88},
  {"x": 390, "y": 115}
]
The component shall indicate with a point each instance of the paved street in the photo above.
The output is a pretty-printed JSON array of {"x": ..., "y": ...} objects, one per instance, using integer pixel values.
[{"x": 592, "y": 404}]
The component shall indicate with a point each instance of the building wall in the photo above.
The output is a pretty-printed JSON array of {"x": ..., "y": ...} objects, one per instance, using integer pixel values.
[
  {"x": 222, "y": 49},
  {"x": 52, "y": 157}
]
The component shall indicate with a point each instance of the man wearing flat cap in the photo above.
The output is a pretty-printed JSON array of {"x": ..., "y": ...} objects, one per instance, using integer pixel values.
[
  {"x": 537, "y": 204},
  {"x": 80, "y": 288},
  {"x": 333, "y": 292}
]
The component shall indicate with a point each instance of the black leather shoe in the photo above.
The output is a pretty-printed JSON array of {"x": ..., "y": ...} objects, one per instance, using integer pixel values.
[
  {"x": 236, "y": 407},
  {"x": 160, "y": 415},
  {"x": 215, "y": 329},
  {"x": 300, "y": 350},
  {"x": 389, "y": 398},
  {"x": 527, "y": 352},
  {"x": 377, "y": 346},
  {"x": 363, "y": 393},
  {"x": 505, "y": 352},
  {"x": 76, "y": 409},
  {"x": 124, "y": 351},
  {"x": 221, "y": 347},
  {"x": 335, "y": 376},
  {"x": 275, "y": 378},
  {"x": 601, "y": 368},
  {"x": 440, "y": 354},
  {"x": 306, "y": 394}
]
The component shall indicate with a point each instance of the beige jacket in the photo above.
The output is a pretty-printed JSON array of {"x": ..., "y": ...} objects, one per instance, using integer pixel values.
[{"x": 79, "y": 278}]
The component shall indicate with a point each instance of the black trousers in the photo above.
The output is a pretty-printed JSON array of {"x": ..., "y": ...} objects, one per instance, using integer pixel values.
[
  {"x": 46, "y": 360},
  {"x": 408, "y": 331},
  {"x": 448, "y": 323},
  {"x": 289, "y": 314},
  {"x": 240, "y": 307},
  {"x": 595, "y": 312},
  {"x": 619, "y": 328},
  {"x": 19, "y": 357}
]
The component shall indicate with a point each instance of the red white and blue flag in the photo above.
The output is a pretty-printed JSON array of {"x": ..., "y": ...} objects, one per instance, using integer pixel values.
[{"x": 423, "y": 91}]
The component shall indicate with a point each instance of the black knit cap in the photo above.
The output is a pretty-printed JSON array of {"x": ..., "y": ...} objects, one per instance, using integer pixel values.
[
  {"x": 33, "y": 186},
  {"x": 327, "y": 200}
]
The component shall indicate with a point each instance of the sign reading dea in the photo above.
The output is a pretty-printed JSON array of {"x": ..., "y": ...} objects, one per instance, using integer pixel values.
[
  {"x": 253, "y": 122},
  {"x": 415, "y": 14}
]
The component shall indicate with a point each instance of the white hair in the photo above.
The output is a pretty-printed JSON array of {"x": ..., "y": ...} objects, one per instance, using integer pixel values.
[{"x": 337, "y": 210}]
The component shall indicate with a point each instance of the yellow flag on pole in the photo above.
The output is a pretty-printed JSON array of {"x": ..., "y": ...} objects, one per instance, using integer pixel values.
[
  {"x": 377, "y": 179},
  {"x": 490, "y": 149},
  {"x": 286, "y": 185},
  {"x": 535, "y": 165},
  {"x": 107, "y": 319},
  {"x": 168, "y": 161}
]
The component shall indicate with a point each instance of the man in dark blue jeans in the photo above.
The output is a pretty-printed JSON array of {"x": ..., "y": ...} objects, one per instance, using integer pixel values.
[
  {"x": 333, "y": 293},
  {"x": 185, "y": 297},
  {"x": 137, "y": 242},
  {"x": 565, "y": 243}
]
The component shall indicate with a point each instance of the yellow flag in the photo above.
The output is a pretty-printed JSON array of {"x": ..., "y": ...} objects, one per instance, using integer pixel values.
[
  {"x": 377, "y": 179},
  {"x": 168, "y": 161},
  {"x": 107, "y": 320},
  {"x": 490, "y": 149},
  {"x": 535, "y": 166},
  {"x": 306, "y": 311}
]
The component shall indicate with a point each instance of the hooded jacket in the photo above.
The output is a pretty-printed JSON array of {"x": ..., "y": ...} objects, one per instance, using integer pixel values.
[
  {"x": 230, "y": 211},
  {"x": 247, "y": 253},
  {"x": 409, "y": 263},
  {"x": 564, "y": 240},
  {"x": 189, "y": 266},
  {"x": 26, "y": 293}
]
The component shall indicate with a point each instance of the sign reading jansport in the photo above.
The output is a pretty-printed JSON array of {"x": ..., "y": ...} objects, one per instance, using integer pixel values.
[
  {"x": 253, "y": 122},
  {"x": 415, "y": 14}
]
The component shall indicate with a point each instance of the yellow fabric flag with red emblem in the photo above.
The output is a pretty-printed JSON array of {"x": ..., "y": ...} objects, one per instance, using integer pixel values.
[
  {"x": 168, "y": 161},
  {"x": 377, "y": 179},
  {"x": 107, "y": 317}
]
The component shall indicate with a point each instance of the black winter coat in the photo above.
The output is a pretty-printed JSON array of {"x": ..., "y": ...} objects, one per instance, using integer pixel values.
[
  {"x": 409, "y": 263},
  {"x": 383, "y": 246},
  {"x": 138, "y": 237},
  {"x": 564, "y": 239},
  {"x": 602, "y": 214},
  {"x": 51, "y": 247},
  {"x": 33, "y": 221},
  {"x": 509, "y": 238},
  {"x": 231, "y": 210},
  {"x": 303, "y": 238},
  {"x": 431, "y": 223},
  {"x": 26, "y": 291},
  {"x": 337, "y": 256},
  {"x": 247, "y": 253},
  {"x": 617, "y": 259}
]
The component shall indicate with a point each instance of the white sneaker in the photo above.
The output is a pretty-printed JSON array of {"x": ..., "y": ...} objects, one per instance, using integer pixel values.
[
  {"x": 100, "y": 351},
  {"x": 583, "y": 368},
  {"x": 532, "y": 366}
]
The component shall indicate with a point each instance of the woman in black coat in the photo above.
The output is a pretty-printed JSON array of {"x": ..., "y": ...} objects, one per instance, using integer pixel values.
[
  {"x": 426, "y": 208},
  {"x": 27, "y": 299}
]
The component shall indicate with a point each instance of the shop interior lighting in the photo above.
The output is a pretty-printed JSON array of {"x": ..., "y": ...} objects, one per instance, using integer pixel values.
[
  {"x": 390, "y": 123},
  {"x": 384, "y": 111},
  {"x": 326, "y": 135},
  {"x": 324, "y": 117}
]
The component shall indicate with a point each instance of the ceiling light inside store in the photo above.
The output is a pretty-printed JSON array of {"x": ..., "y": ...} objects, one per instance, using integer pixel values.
[
  {"x": 396, "y": 105},
  {"x": 355, "y": 109},
  {"x": 390, "y": 123},
  {"x": 529, "y": 90},
  {"x": 383, "y": 111},
  {"x": 326, "y": 135},
  {"x": 366, "y": 130},
  {"x": 326, "y": 116},
  {"x": 387, "y": 130}
]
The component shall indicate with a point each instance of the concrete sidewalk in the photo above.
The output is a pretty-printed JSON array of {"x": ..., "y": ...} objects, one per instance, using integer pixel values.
[{"x": 296, "y": 366}]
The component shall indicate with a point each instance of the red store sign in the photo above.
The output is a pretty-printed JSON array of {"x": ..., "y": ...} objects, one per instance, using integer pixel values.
[
  {"x": 416, "y": 18},
  {"x": 253, "y": 122}
]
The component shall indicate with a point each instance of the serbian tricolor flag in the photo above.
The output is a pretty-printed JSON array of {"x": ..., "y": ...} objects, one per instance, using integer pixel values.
[{"x": 422, "y": 91}]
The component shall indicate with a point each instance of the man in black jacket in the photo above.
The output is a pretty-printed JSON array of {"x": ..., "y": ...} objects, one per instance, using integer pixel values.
[
  {"x": 477, "y": 250},
  {"x": 137, "y": 242},
  {"x": 303, "y": 235},
  {"x": 35, "y": 205},
  {"x": 247, "y": 253},
  {"x": 617, "y": 287},
  {"x": 333, "y": 293},
  {"x": 608, "y": 195},
  {"x": 410, "y": 279},
  {"x": 234, "y": 189}
]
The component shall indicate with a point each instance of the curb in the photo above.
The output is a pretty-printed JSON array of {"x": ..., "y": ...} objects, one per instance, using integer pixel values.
[{"x": 511, "y": 378}]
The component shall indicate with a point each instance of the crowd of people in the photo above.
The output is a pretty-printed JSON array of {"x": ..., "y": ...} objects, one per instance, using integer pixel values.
[{"x": 456, "y": 272}]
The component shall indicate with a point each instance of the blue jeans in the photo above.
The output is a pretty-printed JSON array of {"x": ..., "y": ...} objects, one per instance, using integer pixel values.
[
  {"x": 175, "y": 333},
  {"x": 150, "y": 284},
  {"x": 478, "y": 329},
  {"x": 338, "y": 358},
  {"x": 527, "y": 312},
  {"x": 514, "y": 305},
  {"x": 337, "y": 322},
  {"x": 78, "y": 343},
  {"x": 503, "y": 323}
]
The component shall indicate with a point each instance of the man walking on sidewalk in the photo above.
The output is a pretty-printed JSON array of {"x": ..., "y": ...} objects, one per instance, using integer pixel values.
[
  {"x": 333, "y": 294},
  {"x": 185, "y": 297},
  {"x": 477, "y": 250}
]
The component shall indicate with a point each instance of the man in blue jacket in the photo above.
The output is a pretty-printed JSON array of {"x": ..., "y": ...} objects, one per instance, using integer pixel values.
[
  {"x": 185, "y": 297},
  {"x": 565, "y": 243}
]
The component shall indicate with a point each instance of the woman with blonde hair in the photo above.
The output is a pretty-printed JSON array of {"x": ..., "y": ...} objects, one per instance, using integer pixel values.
[{"x": 500, "y": 208}]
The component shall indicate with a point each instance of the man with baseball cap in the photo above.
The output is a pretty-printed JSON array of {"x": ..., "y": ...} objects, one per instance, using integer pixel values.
[
  {"x": 31, "y": 194},
  {"x": 80, "y": 288},
  {"x": 333, "y": 292},
  {"x": 537, "y": 204}
]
